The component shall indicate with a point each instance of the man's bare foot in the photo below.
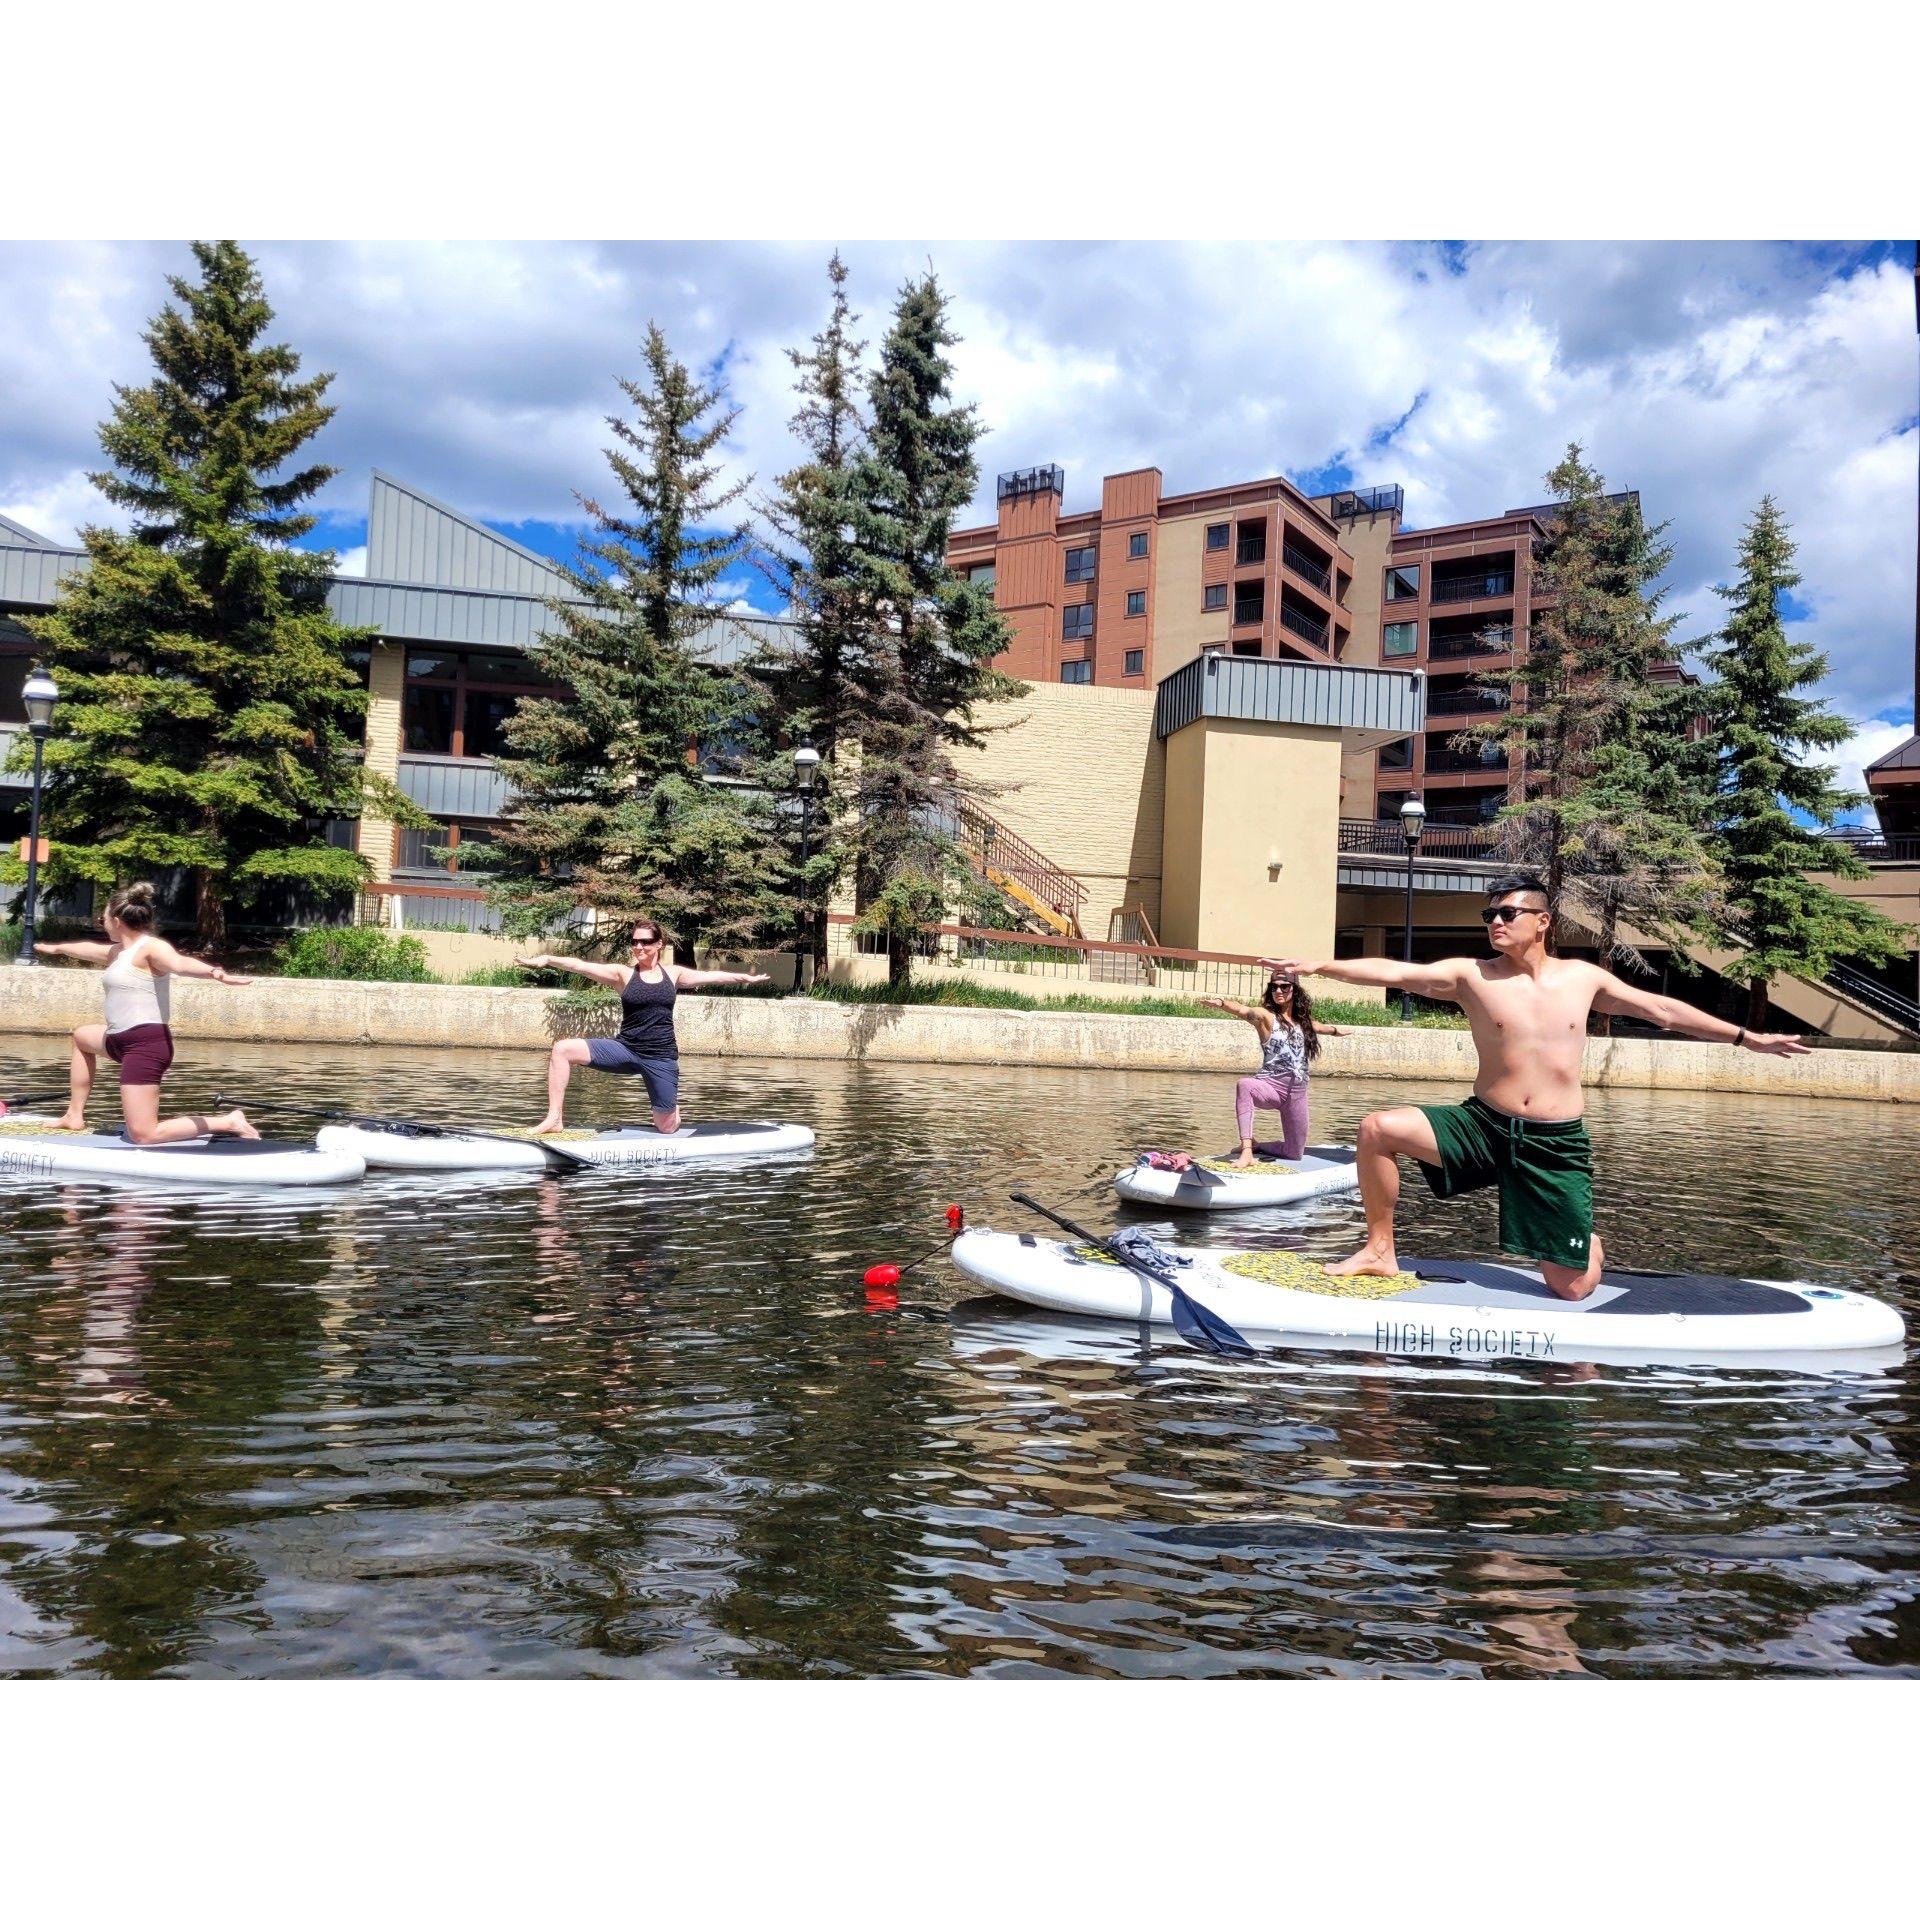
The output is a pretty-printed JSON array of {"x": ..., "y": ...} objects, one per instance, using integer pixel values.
[
  {"x": 235, "y": 1122},
  {"x": 1370, "y": 1259},
  {"x": 553, "y": 1123}
]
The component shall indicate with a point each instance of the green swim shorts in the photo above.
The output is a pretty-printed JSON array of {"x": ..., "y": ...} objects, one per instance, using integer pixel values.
[{"x": 1543, "y": 1168}]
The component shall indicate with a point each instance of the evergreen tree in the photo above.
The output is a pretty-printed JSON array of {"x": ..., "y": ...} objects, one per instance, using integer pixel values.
[
  {"x": 1784, "y": 918},
  {"x": 929, "y": 635},
  {"x": 814, "y": 679},
  {"x": 611, "y": 815},
  {"x": 210, "y": 705},
  {"x": 1612, "y": 785}
]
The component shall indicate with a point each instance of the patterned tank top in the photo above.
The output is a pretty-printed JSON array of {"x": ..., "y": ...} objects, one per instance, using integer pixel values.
[{"x": 1284, "y": 1055}]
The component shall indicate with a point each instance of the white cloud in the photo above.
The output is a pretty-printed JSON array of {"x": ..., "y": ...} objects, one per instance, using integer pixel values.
[
  {"x": 1704, "y": 375},
  {"x": 351, "y": 561}
]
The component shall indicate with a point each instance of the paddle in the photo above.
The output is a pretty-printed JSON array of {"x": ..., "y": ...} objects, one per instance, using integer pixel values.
[
  {"x": 560, "y": 1159},
  {"x": 1193, "y": 1322}
]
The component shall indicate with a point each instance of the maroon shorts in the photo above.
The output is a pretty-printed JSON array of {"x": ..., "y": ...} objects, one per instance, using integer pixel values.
[{"x": 144, "y": 1054}]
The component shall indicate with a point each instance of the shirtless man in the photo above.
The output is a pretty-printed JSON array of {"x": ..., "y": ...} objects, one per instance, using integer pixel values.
[{"x": 1521, "y": 1131}]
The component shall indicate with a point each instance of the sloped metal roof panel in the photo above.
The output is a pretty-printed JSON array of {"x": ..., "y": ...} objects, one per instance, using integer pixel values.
[{"x": 414, "y": 538}]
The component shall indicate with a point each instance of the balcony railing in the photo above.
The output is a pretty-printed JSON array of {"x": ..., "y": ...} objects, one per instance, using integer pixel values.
[
  {"x": 1307, "y": 567},
  {"x": 1311, "y": 630},
  {"x": 1475, "y": 700},
  {"x": 1250, "y": 552},
  {"x": 1012, "y": 486},
  {"x": 1877, "y": 848},
  {"x": 1461, "y": 646},
  {"x": 1477, "y": 586},
  {"x": 1386, "y": 836},
  {"x": 1249, "y": 613},
  {"x": 1468, "y": 760},
  {"x": 1351, "y": 502}
]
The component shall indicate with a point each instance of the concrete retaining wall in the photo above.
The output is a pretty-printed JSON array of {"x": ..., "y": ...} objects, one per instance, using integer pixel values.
[{"x": 334, "y": 1012}]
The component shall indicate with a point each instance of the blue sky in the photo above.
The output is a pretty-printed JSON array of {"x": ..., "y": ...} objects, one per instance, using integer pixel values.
[{"x": 1704, "y": 375}]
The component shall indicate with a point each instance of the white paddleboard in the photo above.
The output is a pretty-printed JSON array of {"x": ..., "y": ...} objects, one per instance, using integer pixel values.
[
  {"x": 393, "y": 1144},
  {"x": 32, "y": 1149},
  {"x": 1459, "y": 1309},
  {"x": 1214, "y": 1184}
]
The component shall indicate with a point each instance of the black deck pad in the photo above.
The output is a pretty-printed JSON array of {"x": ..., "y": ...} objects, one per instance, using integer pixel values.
[{"x": 1638, "y": 1292}]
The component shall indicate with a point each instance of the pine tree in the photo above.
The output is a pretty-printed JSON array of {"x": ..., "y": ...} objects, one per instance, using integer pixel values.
[
  {"x": 1784, "y": 918},
  {"x": 210, "y": 706},
  {"x": 930, "y": 635},
  {"x": 610, "y": 815},
  {"x": 1610, "y": 804},
  {"x": 814, "y": 679}
]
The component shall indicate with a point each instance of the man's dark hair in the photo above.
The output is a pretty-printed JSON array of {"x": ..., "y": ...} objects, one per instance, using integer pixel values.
[{"x": 1518, "y": 883}]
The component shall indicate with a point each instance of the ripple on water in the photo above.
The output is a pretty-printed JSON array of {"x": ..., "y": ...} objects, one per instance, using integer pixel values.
[{"x": 647, "y": 1424}]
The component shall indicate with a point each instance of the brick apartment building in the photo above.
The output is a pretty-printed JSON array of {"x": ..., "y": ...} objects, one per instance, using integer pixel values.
[{"x": 1124, "y": 596}]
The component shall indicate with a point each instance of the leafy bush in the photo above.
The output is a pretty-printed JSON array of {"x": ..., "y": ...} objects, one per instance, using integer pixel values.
[
  {"x": 352, "y": 953},
  {"x": 965, "y": 993},
  {"x": 508, "y": 976}
]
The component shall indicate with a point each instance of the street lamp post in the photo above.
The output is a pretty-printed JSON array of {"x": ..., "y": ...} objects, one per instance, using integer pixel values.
[
  {"x": 39, "y": 694},
  {"x": 1413, "y": 821},
  {"x": 806, "y": 763}
]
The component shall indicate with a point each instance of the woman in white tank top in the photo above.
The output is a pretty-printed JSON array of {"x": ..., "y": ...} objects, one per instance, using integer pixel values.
[{"x": 136, "y": 1034}]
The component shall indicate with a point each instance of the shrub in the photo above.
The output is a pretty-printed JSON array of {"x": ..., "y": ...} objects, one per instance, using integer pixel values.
[{"x": 352, "y": 953}]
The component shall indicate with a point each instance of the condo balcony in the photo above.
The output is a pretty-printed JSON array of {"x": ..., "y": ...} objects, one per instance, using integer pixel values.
[
  {"x": 1476, "y": 702},
  {"x": 1350, "y": 503},
  {"x": 1488, "y": 760},
  {"x": 1012, "y": 486},
  {"x": 1472, "y": 642},
  {"x": 1298, "y": 621},
  {"x": 1493, "y": 583},
  {"x": 1299, "y": 560}
]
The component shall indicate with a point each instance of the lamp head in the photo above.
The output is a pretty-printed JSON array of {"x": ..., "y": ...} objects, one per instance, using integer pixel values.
[
  {"x": 806, "y": 763},
  {"x": 39, "y": 696},
  {"x": 1413, "y": 818}
]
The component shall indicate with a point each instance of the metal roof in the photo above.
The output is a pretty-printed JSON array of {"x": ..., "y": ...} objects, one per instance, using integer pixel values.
[
  {"x": 1905, "y": 758},
  {"x": 415, "y": 538},
  {"x": 404, "y": 610},
  {"x": 1371, "y": 705}
]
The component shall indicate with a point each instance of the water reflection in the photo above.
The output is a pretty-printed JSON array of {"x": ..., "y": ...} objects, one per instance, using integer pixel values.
[{"x": 649, "y": 1424}]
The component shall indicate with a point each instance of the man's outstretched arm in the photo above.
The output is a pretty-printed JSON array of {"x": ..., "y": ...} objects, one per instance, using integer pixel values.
[
  {"x": 1675, "y": 1016},
  {"x": 1438, "y": 981}
]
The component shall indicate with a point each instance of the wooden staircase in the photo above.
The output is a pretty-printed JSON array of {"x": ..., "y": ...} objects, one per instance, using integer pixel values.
[{"x": 1045, "y": 894}]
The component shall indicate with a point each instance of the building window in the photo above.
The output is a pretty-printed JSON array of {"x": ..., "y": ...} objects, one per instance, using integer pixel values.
[
  {"x": 1216, "y": 599},
  {"x": 1396, "y": 756},
  {"x": 1136, "y": 661},
  {"x": 1077, "y": 673},
  {"x": 1076, "y": 623},
  {"x": 1247, "y": 647},
  {"x": 1217, "y": 537},
  {"x": 1136, "y": 546},
  {"x": 982, "y": 576},
  {"x": 1136, "y": 603},
  {"x": 458, "y": 704},
  {"x": 435, "y": 850},
  {"x": 1080, "y": 563},
  {"x": 1249, "y": 602},
  {"x": 1403, "y": 583},
  {"x": 1399, "y": 638}
]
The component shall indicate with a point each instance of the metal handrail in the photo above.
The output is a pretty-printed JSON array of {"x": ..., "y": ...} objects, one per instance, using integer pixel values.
[
  {"x": 1297, "y": 622},
  {"x": 1450, "y": 760},
  {"x": 1349, "y": 503},
  {"x": 1479, "y": 586},
  {"x": 1250, "y": 553},
  {"x": 998, "y": 847},
  {"x": 1870, "y": 844},
  {"x": 1460, "y": 646},
  {"x": 1305, "y": 566},
  {"x": 1470, "y": 700},
  {"x": 1387, "y": 836},
  {"x": 1879, "y": 999}
]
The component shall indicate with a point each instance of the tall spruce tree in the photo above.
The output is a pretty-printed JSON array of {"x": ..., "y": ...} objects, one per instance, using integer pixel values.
[
  {"x": 1611, "y": 785},
  {"x": 1786, "y": 920},
  {"x": 611, "y": 815},
  {"x": 210, "y": 705},
  {"x": 815, "y": 678},
  {"x": 930, "y": 635}
]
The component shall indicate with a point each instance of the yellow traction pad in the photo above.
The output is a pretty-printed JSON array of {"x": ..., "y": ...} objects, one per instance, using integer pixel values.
[
  {"x": 528, "y": 1134},
  {"x": 1304, "y": 1274},
  {"x": 1268, "y": 1169},
  {"x": 29, "y": 1128}
]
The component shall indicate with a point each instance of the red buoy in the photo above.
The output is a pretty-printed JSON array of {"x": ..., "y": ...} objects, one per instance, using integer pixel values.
[{"x": 883, "y": 1278}]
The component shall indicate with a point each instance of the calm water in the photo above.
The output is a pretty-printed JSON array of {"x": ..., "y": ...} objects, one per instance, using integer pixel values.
[{"x": 648, "y": 1425}]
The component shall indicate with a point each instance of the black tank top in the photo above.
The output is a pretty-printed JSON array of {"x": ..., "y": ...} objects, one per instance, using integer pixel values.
[{"x": 646, "y": 1016}]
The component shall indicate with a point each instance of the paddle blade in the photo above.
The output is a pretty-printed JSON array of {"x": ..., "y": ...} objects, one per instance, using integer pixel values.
[{"x": 1204, "y": 1328}]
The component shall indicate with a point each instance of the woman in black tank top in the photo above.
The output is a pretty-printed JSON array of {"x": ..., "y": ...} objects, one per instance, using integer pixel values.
[{"x": 646, "y": 1045}]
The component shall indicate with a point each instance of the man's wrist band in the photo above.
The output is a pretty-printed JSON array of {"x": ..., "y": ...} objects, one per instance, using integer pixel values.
[{"x": 1740, "y": 1037}]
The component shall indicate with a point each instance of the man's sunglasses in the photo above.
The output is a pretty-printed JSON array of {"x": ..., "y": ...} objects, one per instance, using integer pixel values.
[{"x": 1507, "y": 914}]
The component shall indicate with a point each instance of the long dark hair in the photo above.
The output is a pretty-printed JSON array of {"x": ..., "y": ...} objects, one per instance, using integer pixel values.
[{"x": 1301, "y": 1011}]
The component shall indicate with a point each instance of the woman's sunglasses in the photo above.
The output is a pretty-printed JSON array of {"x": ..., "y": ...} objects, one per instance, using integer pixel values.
[
  {"x": 1508, "y": 915},
  {"x": 644, "y": 940}
]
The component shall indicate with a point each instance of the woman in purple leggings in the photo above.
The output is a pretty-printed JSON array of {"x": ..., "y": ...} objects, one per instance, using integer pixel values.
[{"x": 1289, "y": 1044}]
